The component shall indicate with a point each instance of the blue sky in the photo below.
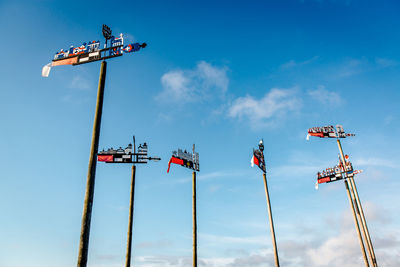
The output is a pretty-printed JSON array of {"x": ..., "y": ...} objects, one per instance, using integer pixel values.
[{"x": 222, "y": 75}]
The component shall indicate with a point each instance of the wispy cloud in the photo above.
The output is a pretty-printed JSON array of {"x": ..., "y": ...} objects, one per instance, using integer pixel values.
[
  {"x": 324, "y": 96},
  {"x": 229, "y": 174},
  {"x": 355, "y": 66},
  {"x": 80, "y": 82},
  {"x": 211, "y": 239},
  {"x": 203, "y": 82},
  {"x": 262, "y": 112},
  {"x": 385, "y": 62},
  {"x": 154, "y": 244},
  {"x": 376, "y": 162},
  {"x": 352, "y": 67},
  {"x": 292, "y": 63}
]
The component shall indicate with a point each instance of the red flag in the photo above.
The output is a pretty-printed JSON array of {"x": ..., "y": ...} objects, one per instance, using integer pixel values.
[
  {"x": 324, "y": 180},
  {"x": 106, "y": 158},
  {"x": 176, "y": 161},
  {"x": 254, "y": 160}
]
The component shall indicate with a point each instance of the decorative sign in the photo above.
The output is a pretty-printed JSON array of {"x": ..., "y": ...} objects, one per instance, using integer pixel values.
[
  {"x": 91, "y": 51},
  {"x": 336, "y": 173},
  {"x": 328, "y": 132},
  {"x": 258, "y": 157},
  {"x": 121, "y": 155},
  {"x": 185, "y": 159}
]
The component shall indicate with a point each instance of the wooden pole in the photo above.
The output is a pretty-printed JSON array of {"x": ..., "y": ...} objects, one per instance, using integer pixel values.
[
  {"x": 87, "y": 206},
  {"x": 346, "y": 182},
  {"x": 130, "y": 224},
  {"x": 194, "y": 221},
  {"x": 271, "y": 222},
  {"x": 363, "y": 222},
  {"x": 355, "y": 208}
]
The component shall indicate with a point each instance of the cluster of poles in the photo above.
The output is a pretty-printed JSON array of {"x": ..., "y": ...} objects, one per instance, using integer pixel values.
[
  {"x": 191, "y": 161},
  {"x": 358, "y": 214}
]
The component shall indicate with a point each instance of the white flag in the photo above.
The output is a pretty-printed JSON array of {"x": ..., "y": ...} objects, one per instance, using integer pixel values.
[
  {"x": 308, "y": 137},
  {"x": 46, "y": 70},
  {"x": 316, "y": 185}
]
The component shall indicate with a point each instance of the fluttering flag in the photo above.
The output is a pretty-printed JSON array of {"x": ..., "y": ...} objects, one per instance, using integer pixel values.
[
  {"x": 68, "y": 61},
  {"x": 258, "y": 159},
  {"x": 176, "y": 161},
  {"x": 46, "y": 70},
  {"x": 255, "y": 161}
]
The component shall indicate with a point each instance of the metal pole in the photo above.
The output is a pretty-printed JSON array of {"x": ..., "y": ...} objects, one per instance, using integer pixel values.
[
  {"x": 87, "y": 206},
  {"x": 130, "y": 224},
  {"x": 194, "y": 222},
  {"x": 354, "y": 205},
  {"x": 346, "y": 182},
  {"x": 271, "y": 222},
  {"x": 364, "y": 222}
]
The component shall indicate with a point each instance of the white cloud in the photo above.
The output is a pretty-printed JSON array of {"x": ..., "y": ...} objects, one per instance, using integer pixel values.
[
  {"x": 166, "y": 261},
  {"x": 341, "y": 250},
  {"x": 261, "y": 112},
  {"x": 203, "y": 82},
  {"x": 324, "y": 96}
]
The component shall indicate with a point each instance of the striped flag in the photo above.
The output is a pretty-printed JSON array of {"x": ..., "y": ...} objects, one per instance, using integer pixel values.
[{"x": 258, "y": 159}]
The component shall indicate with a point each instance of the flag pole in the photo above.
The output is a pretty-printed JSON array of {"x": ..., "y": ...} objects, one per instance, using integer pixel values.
[
  {"x": 89, "y": 193},
  {"x": 130, "y": 223},
  {"x": 364, "y": 222},
  {"x": 271, "y": 221},
  {"x": 194, "y": 219},
  {"x": 354, "y": 206},
  {"x": 346, "y": 182}
]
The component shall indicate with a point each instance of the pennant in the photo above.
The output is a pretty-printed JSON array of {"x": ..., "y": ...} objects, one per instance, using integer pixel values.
[
  {"x": 176, "y": 161},
  {"x": 105, "y": 158},
  {"x": 68, "y": 61}
]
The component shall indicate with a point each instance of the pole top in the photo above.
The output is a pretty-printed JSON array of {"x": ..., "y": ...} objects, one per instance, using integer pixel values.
[{"x": 261, "y": 145}]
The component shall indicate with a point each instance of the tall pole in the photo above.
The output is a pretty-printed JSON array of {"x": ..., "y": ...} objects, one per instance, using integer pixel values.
[
  {"x": 271, "y": 222},
  {"x": 360, "y": 213},
  {"x": 346, "y": 182},
  {"x": 130, "y": 224},
  {"x": 194, "y": 221},
  {"x": 87, "y": 206},
  {"x": 364, "y": 222},
  {"x": 355, "y": 208}
]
